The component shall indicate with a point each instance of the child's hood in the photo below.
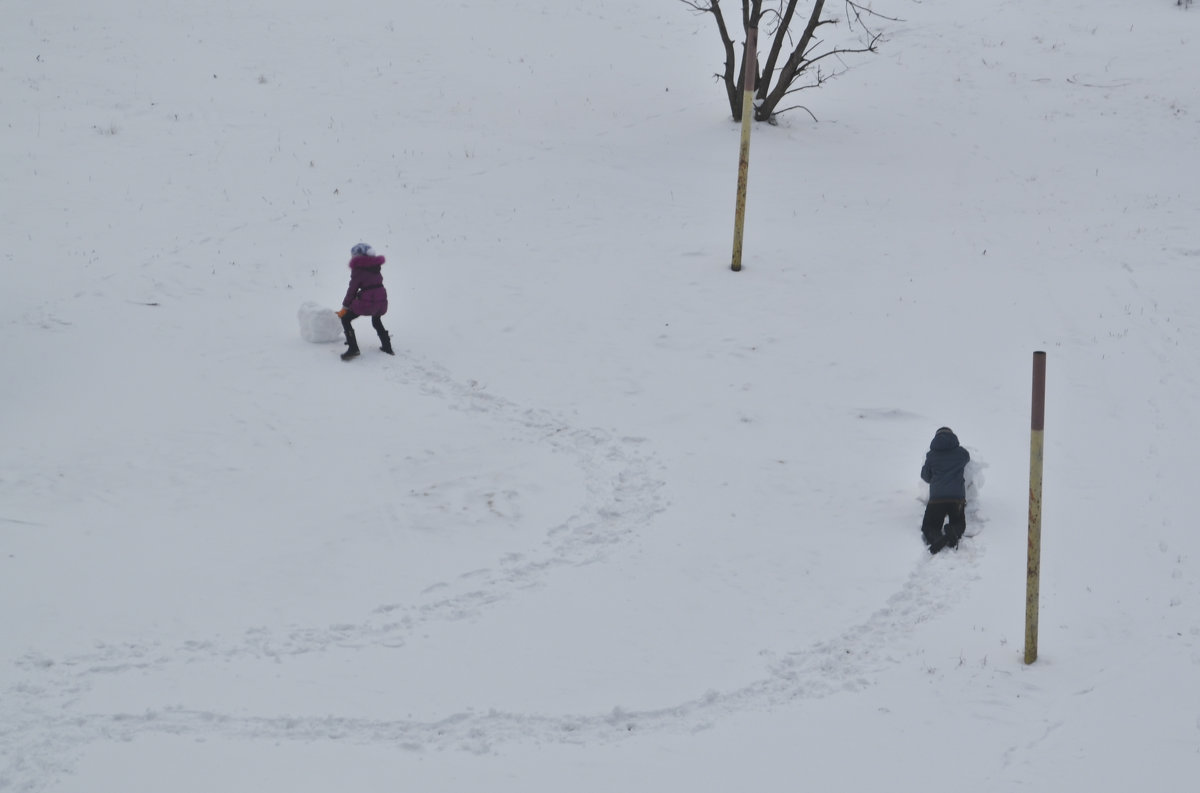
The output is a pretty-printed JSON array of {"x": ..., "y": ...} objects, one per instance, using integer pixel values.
[
  {"x": 944, "y": 440},
  {"x": 357, "y": 262}
]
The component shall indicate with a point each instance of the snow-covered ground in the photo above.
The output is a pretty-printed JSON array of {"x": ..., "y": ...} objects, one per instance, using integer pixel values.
[{"x": 614, "y": 517}]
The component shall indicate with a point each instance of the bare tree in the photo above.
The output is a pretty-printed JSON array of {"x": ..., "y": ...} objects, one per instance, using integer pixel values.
[{"x": 805, "y": 57}]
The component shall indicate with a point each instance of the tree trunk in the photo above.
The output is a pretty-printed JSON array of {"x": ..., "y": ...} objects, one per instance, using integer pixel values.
[{"x": 770, "y": 97}]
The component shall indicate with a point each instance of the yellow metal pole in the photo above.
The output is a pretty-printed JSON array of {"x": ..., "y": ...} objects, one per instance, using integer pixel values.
[
  {"x": 750, "y": 61},
  {"x": 1033, "y": 569}
]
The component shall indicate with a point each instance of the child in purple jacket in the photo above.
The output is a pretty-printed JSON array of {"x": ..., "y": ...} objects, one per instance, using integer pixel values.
[{"x": 366, "y": 296}]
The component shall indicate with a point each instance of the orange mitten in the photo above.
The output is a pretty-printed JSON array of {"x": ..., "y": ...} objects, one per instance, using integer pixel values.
[{"x": 341, "y": 313}]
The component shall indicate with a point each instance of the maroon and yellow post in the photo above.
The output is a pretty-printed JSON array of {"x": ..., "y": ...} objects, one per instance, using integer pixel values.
[{"x": 1033, "y": 568}]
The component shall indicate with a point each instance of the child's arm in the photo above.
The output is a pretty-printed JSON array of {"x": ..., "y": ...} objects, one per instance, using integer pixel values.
[{"x": 352, "y": 291}]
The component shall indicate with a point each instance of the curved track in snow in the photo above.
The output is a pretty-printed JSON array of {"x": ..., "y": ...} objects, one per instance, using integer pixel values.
[{"x": 45, "y": 728}]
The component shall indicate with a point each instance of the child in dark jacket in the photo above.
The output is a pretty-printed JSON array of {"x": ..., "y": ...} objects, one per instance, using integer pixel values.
[
  {"x": 943, "y": 470},
  {"x": 366, "y": 296}
]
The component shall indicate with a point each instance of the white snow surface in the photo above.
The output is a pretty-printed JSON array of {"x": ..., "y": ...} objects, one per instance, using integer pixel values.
[{"x": 614, "y": 518}]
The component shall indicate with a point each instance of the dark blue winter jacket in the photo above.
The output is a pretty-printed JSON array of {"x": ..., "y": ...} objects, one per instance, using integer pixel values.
[{"x": 944, "y": 465}]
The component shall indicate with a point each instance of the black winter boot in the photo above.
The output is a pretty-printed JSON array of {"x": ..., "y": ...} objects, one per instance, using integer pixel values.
[
  {"x": 385, "y": 338},
  {"x": 351, "y": 341}
]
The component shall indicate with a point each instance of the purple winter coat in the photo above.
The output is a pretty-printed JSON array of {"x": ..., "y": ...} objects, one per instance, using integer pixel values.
[{"x": 367, "y": 295}]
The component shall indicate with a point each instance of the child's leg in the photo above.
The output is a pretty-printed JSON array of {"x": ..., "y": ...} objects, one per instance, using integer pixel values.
[
  {"x": 385, "y": 339},
  {"x": 931, "y": 526},
  {"x": 957, "y": 523},
  {"x": 348, "y": 329}
]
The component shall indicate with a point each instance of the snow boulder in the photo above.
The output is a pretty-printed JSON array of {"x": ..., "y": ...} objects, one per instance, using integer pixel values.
[
  {"x": 318, "y": 324},
  {"x": 973, "y": 476}
]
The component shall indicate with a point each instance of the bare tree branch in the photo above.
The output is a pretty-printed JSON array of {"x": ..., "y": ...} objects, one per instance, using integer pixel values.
[
  {"x": 728, "y": 77},
  {"x": 858, "y": 10},
  {"x": 785, "y": 21},
  {"x": 804, "y": 53},
  {"x": 796, "y": 107}
]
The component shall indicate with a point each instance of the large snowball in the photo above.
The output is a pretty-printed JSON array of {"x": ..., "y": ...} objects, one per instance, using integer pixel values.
[{"x": 319, "y": 324}]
